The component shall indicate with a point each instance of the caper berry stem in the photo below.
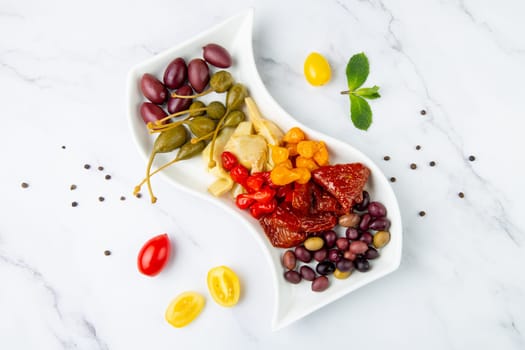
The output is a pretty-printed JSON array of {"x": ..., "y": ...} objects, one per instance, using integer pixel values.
[
  {"x": 160, "y": 128},
  {"x": 161, "y": 121},
  {"x": 148, "y": 177},
  {"x": 137, "y": 188},
  {"x": 205, "y": 92},
  {"x": 212, "y": 162}
]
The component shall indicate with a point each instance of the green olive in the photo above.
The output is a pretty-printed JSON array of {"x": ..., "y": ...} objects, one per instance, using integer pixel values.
[
  {"x": 234, "y": 118},
  {"x": 221, "y": 81},
  {"x": 235, "y": 96},
  {"x": 170, "y": 140},
  {"x": 381, "y": 239},
  {"x": 216, "y": 110},
  {"x": 189, "y": 150},
  {"x": 201, "y": 126},
  {"x": 197, "y": 105},
  {"x": 313, "y": 244}
]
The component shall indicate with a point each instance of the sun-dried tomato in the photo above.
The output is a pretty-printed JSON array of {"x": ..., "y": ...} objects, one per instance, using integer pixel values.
[
  {"x": 302, "y": 198},
  {"x": 343, "y": 181},
  {"x": 282, "y": 228},
  {"x": 318, "y": 222}
]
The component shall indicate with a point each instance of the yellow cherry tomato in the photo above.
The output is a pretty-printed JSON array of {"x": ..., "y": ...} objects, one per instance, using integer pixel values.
[
  {"x": 224, "y": 286},
  {"x": 184, "y": 309},
  {"x": 317, "y": 70}
]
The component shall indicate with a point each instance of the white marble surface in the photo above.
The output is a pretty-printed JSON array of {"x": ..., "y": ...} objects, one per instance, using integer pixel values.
[{"x": 62, "y": 80}]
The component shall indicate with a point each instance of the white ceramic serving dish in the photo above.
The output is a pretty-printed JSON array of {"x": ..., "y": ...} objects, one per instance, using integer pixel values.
[{"x": 292, "y": 302}]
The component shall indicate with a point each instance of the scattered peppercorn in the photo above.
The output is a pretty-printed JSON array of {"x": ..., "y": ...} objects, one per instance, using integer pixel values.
[
  {"x": 74, "y": 204},
  {"x": 138, "y": 195},
  {"x": 387, "y": 158},
  {"x": 122, "y": 198},
  {"x": 73, "y": 187},
  {"x": 432, "y": 163},
  {"x": 107, "y": 252},
  {"x": 87, "y": 166},
  {"x": 413, "y": 166},
  {"x": 418, "y": 147},
  {"x": 422, "y": 213},
  {"x": 24, "y": 185},
  {"x": 392, "y": 179},
  {"x": 107, "y": 177},
  {"x": 423, "y": 112},
  {"x": 461, "y": 195},
  {"x": 471, "y": 158},
  {"x": 100, "y": 168},
  {"x": 63, "y": 147},
  {"x": 101, "y": 199}
]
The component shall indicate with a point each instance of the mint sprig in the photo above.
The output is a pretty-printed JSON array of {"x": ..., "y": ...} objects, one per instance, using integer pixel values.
[{"x": 357, "y": 71}]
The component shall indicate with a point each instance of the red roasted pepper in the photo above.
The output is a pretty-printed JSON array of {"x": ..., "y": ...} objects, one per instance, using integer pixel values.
[
  {"x": 229, "y": 160},
  {"x": 254, "y": 183},
  {"x": 243, "y": 201},
  {"x": 239, "y": 174},
  {"x": 259, "y": 209}
]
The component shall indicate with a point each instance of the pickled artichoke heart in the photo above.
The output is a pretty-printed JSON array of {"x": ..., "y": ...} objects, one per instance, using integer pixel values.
[
  {"x": 263, "y": 127},
  {"x": 251, "y": 151},
  {"x": 223, "y": 184}
]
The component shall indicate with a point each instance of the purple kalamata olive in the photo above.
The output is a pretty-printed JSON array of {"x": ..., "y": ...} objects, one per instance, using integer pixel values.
[
  {"x": 176, "y": 104},
  {"x": 352, "y": 233},
  {"x": 345, "y": 265},
  {"x": 364, "y": 203},
  {"x": 307, "y": 273},
  {"x": 320, "y": 255},
  {"x": 365, "y": 222},
  {"x": 301, "y": 253},
  {"x": 176, "y": 73},
  {"x": 371, "y": 253},
  {"x": 292, "y": 276},
  {"x": 153, "y": 89},
  {"x": 362, "y": 264},
  {"x": 325, "y": 267},
  {"x": 150, "y": 112},
  {"x": 320, "y": 284},
  {"x": 358, "y": 247},
  {"x": 330, "y": 237},
  {"x": 217, "y": 56},
  {"x": 289, "y": 260},
  {"x": 198, "y": 74},
  {"x": 380, "y": 224},
  {"x": 367, "y": 237},
  {"x": 377, "y": 210}
]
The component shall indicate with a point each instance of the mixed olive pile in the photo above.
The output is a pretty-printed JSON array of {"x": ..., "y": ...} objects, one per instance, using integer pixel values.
[
  {"x": 176, "y": 95},
  {"x": 366, "y": 231}
]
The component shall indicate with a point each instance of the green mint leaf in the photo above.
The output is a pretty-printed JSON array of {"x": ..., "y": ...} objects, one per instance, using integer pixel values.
[
  {"x": 360, "y": 112},
  {"x": 370, "y": 93},
  {"x": 357, "y": 71}
]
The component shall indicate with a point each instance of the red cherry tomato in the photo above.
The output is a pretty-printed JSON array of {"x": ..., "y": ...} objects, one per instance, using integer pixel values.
[{"x": 154, "y": 255}]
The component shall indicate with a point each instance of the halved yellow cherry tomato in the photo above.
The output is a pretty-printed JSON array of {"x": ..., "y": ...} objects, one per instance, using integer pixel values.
[
  {"x": 317, "y": 70},
  {"x": 184, "y": 309},
  {"x": 224, "y": 286}
]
